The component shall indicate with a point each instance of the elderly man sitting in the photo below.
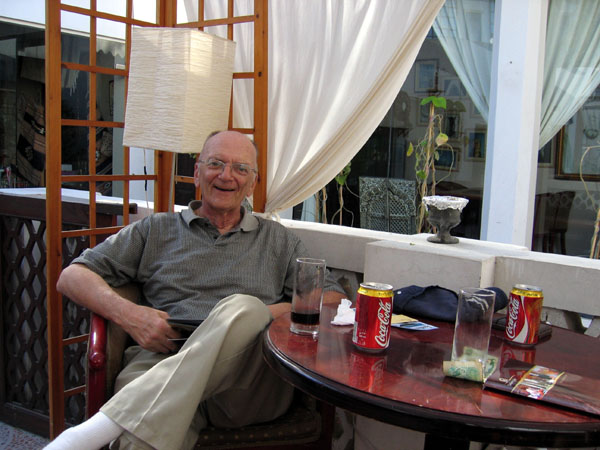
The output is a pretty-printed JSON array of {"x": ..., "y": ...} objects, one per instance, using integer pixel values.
[{"x": 214, "y": 261}]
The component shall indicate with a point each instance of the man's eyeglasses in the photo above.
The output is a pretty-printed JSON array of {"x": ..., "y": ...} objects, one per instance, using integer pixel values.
[{"x": 216, "y": 165}]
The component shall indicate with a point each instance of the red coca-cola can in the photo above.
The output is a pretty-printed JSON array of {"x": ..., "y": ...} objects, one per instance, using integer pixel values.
[
  {"x": 373, "y": 319},
  {"x": 523, "y": 314}
]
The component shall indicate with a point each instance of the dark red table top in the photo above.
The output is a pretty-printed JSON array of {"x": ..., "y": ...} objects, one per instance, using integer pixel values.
[{"x": 405, "y": 385}]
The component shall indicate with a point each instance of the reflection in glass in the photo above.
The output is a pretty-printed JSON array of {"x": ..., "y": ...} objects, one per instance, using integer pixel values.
[
  {"x": 75, "y": 94},
  {"x": 74, "y": 151},
  {"x": 8, "y": 103},
  {"x": 105, "y": 97},
  {"x": 75, "y": 49},
  {"x": 110, "y": 53},
  {"x": 562, "y": 162},
  {"x": 384, "y": 154}
]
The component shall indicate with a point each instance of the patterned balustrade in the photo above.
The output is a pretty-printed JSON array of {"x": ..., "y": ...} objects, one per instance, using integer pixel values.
[{"x": 23, "y": 319}]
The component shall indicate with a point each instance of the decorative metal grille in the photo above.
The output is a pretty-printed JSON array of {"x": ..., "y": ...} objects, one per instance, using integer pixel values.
[
  {"x": 387, "y": 204},
  {"x": 24, "y": 313},
  {"x": 24, "y": 360}
]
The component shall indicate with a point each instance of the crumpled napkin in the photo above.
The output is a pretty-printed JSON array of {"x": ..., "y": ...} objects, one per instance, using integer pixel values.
[{"x": 345, "y": 314}]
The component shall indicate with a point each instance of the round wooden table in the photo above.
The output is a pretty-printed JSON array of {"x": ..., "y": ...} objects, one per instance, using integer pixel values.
[{"x": 405, "y": 385}]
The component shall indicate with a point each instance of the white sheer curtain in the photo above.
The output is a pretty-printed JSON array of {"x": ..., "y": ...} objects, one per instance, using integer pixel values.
[
  {"x": 572, "y": 58},
  {"x": 335, "y": 68},
  {"x": 572, "y": 62},
  {"x": 465, "y": 30}
]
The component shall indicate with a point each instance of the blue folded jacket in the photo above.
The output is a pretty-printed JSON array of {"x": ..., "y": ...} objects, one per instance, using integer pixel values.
[{"x": 435, "y": 302}]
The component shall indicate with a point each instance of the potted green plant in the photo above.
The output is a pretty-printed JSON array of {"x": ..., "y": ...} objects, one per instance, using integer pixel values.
[
  {"x": 426, "y": 153},
  {"x": 340, "y": 180}
]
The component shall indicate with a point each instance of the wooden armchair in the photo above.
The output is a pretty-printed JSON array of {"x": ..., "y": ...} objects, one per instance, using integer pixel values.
[{"x": 308, "y": 424}]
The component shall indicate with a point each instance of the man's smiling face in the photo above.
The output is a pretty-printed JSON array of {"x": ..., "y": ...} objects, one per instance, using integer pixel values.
[{"x": 224, "y": 190}]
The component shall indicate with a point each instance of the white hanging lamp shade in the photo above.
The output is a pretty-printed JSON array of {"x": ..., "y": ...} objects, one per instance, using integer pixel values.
[{"x": 179, "y": 88}]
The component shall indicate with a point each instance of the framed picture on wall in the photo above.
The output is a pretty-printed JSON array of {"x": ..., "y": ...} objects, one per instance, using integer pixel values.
[
  {"x": 426, "y": 75},
  {"x": 570, "y": 153},
  {"x": 476, "y": 146},
  {"x": 546, "y": 154},
  {"x": 448, "y": 159},
  {"x": 452, "y": 125}
]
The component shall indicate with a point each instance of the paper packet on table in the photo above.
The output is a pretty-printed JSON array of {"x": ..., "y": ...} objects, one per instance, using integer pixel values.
[
  {"x": 408, "y": 323},
  {"x": 345, "y": 316}
]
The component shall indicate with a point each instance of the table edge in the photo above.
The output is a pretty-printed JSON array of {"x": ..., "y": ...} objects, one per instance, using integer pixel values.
[{"x": 426, "y": 420}]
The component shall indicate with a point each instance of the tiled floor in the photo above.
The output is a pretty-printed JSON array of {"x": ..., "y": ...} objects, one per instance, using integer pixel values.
[{"x": 16, "y": 439}]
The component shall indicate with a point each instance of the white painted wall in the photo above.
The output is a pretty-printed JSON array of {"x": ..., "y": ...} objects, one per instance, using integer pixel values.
[{"x": 569, "y": 283}]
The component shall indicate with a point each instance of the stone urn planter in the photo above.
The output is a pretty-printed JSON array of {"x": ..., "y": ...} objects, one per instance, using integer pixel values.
[{"x": 443, "y": 212}]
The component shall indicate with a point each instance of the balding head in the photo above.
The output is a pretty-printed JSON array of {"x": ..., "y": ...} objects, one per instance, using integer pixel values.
[{"x": 217, "y": 138}]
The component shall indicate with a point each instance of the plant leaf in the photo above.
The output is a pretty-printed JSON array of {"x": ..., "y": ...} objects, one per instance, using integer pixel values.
[
  {"x": 441, "y": 139},
  {"x": 343, "y": 175},
  {"x": 427, "y": 100},
  {"x": 410, "y": 150},
  {"x": 439, "y": 102},
  {"x": 436, "y": 155},
  {"x": 420, "y": 174}
]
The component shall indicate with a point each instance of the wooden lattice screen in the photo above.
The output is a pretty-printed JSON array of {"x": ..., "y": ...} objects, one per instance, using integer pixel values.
[{"x": 57, "y": 234}]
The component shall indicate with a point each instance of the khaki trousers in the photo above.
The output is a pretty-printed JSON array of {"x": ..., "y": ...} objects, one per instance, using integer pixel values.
[{"x": 219, "y": 376}]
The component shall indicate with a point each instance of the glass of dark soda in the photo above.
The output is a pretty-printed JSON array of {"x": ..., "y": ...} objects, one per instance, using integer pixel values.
[{"x": 309, "y": 278}]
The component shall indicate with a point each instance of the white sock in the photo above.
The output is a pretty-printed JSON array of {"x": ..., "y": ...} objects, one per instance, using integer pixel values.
[{"x": 94, "y": 433}]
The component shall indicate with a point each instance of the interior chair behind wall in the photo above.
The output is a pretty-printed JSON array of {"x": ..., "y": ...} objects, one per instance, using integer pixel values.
[{"x": 551, "y": 220}]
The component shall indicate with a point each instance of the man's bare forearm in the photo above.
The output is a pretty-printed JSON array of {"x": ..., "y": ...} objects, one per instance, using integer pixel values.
[
  {"x": 147, "y": 326},
  {"x": 89, "y": 290},
  {"x": 280, "y": 308}
]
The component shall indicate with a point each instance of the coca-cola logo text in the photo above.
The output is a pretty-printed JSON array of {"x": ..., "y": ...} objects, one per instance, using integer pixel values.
[
  {"x": 513, "y": 315},
  {"x": 383, "y": 314}
]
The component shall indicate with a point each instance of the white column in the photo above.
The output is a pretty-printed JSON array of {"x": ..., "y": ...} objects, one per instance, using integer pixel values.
[{"x": 514, "y": 121}]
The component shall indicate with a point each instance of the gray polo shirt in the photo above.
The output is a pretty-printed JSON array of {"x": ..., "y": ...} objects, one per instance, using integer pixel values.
[{"x": 185, "y": 266}]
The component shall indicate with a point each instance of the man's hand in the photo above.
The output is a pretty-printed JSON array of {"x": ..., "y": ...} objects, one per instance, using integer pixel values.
[
  {"x": 333, "y": 297},
  {"x": 150, "y": 329}
]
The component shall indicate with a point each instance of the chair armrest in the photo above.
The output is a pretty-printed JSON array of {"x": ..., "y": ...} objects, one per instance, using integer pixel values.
[
  {"x": 106, "y": 344},
  {"x": 96, "y": 365}
]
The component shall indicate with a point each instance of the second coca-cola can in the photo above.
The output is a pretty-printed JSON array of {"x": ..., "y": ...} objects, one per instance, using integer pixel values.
[
  {"x": 523, "y": 314},
  {"x": 373, "y": 318}
]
